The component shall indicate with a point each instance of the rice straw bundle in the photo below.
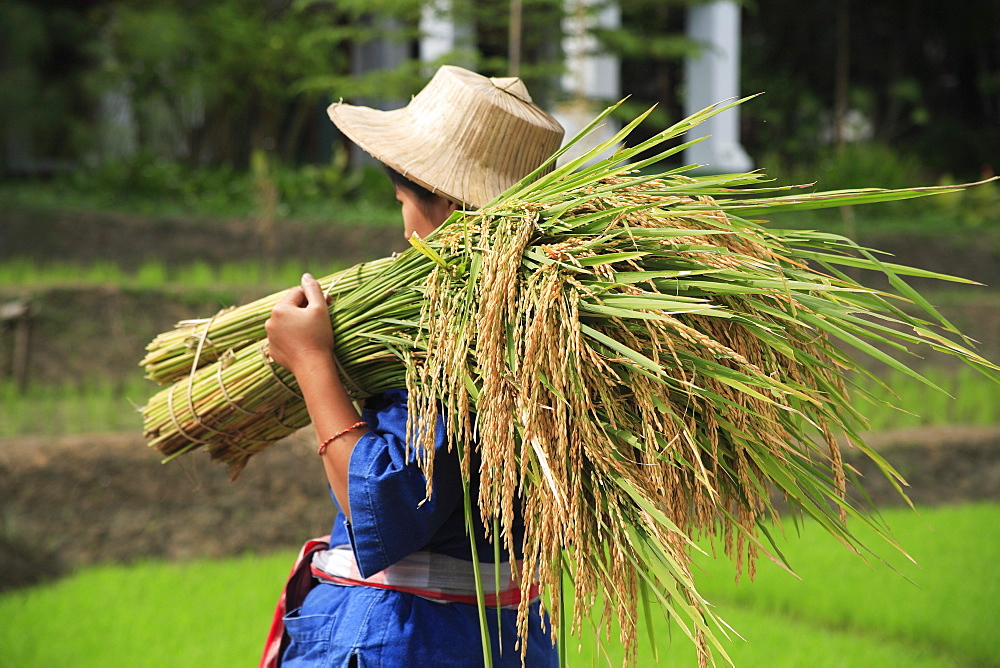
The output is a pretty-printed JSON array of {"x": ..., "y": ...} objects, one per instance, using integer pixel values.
[
  {"x": 172, "y": 354},
  {"x": 645, "y": 363},
  {"x": 234, "y": 402}
]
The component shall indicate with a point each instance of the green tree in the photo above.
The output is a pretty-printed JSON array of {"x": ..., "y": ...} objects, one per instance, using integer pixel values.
[
  {"x": 926, "y": 75},
  {"x": 222, "y": 79},
  {"x": 43, "y": 109}
]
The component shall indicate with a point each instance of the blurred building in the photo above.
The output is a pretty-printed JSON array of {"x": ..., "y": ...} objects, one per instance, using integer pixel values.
[
  {"x": 68, "y": 95},
  {"x": 592, "y": 78}
]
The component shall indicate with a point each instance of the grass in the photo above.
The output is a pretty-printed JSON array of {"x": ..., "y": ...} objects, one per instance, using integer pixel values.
[
  {"x": 200, "y": 613},
  {"x": 969, "y": 398},
  {"x": 942, "y": 605},
  {"x": 842, "y": 613},
  {"x": 869, "y": 225},
  {"x": 99, "y": 406},
  {"x": 194, "y": 276}
]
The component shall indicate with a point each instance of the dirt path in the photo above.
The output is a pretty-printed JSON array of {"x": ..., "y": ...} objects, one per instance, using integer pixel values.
[{"x": 107, "y": 498}]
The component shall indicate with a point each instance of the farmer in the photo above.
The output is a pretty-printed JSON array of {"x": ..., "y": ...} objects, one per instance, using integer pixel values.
[{"x": 396, "y": 587}]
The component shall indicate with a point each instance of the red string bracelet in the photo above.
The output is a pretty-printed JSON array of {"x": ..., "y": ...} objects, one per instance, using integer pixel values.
[{"x": 322, "y": 447}]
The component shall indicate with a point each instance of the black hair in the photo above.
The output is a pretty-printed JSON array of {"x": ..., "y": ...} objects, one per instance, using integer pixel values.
[{"x": 423, "y": 194}]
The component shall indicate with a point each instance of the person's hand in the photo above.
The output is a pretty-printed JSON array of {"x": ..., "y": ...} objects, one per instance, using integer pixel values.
[{"x": 299, "y": 333}]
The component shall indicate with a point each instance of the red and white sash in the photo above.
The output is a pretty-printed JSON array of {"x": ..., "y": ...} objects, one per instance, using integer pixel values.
[{"x": 430, "y": 575}]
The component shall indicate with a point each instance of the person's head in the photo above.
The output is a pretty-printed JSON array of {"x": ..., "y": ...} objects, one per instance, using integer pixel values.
[
  {"x": 465, "y": 138},
  {"x": 422, "y": 210}
]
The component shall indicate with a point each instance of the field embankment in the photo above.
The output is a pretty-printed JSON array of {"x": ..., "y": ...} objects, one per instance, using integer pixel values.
[
  {"x": 80, "y": 500},
  {"x": 130, "y": 240}
]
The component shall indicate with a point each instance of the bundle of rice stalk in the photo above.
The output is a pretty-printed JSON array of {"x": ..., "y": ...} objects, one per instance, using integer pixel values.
[
  {"x": 645, "y": 363},
  {"x": 233, "y": 401},
  {"x": 195, "y": 343}
]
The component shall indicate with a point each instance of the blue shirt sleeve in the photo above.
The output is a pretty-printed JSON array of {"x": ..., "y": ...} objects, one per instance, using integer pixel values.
[{"x": 390, "y": 515}]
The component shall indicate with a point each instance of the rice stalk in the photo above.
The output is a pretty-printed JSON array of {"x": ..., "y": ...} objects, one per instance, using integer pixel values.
[
  {"x": 646, "y": 365},
  {"x": 194, "y": 343}
]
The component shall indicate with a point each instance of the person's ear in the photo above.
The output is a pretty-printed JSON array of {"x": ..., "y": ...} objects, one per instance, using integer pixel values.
[{"x": 444, "y": 208}]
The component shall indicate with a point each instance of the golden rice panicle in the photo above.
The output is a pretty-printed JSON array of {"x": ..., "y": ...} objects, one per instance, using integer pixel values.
[{"x": 504, "y": 239}]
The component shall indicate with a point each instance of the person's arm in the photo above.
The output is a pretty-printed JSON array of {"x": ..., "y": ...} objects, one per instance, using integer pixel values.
[{"x": 300, "y": 339}]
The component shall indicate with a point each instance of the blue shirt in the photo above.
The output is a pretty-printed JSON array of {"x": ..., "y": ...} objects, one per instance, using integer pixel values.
[{"x": 391, "y": 519}]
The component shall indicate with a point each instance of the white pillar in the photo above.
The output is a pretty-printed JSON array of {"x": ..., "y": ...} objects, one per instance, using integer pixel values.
[
  {"x": 592, "y": 79},
  {"x": 589, "y": 73},
  {"x": 711, "y": 77},
  {"x": 117, "y": 129},
  {"x": 441, "y": 35},
  {"x": 380, "y": 53}
]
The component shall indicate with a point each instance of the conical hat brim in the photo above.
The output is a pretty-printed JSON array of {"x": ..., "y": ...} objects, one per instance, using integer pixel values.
[
  {"x": 394, "y": 138},
  {"x": 464, "y": 136}
]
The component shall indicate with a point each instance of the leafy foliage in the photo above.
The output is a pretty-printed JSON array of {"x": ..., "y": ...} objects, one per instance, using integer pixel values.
[
  {"x": 652, "y": 46},
  {"x": 926, "y": 80},
  {"x": 43, "y": 109},
  {"x": 220, "y": 78}
]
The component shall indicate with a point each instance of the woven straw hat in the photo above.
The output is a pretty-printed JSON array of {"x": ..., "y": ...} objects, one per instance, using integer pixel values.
[{"x": 464, "y": 136}]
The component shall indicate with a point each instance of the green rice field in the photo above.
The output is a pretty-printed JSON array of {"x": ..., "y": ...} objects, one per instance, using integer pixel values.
[
  {"x": 843, "y": 612},
  {"x": 153, "y": 275},
  {"x": 97, "y": 406}
]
